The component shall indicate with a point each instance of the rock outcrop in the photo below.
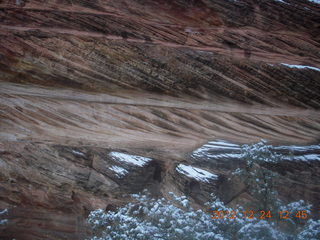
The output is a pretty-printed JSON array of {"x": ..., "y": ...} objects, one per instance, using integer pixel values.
[{"x": 87, "y": 85}]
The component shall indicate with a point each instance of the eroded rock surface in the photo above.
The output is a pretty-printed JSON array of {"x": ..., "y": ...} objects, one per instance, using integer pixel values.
[{"x": 82, "y": 80}]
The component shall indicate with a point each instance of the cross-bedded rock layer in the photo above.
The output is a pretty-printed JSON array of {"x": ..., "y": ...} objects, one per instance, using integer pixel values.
[{"x": 80, "y": 79}]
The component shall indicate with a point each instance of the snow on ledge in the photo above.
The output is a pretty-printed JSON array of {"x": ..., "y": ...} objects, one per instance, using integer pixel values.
[
  {"x": 281, "y": 1},
  {"x": 298, "y": 148},
  {"x": 131, "y": 159},
  {"x": 119, "y": 171},
  {"x": 315, "y": 1},
  {"x": 4, "y": 211},
  {"x": 3, "y": 221},
  {"x": 206, "y": 149},
  {"x": 304, "y": 158},
  {"x": 196, "y": 173},
  {"x": 78, "y": 153},
  {"x": 222, "y": 150},
  {"x": 300, "y": 67}
]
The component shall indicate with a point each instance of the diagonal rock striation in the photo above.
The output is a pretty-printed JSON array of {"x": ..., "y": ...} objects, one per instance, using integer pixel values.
[{"x": 82, "y": 80}]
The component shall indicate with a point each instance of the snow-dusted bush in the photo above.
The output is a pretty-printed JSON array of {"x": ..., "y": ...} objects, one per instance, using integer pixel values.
[
  {"x": 261, "y": 230},
  {"x": 295, "y": 207},
  {"x": 157, "y": 219},
  {"x": 260, "y": 181},
  {"x": 228, "y": 227},
  {"x": 311, "y": 231},
  {"x": 259, "y": 153},
  {"x": 160, "y": 219}
]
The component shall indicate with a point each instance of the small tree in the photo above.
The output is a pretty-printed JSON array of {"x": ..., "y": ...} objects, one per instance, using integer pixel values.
[{"x": 259, "y": 180}]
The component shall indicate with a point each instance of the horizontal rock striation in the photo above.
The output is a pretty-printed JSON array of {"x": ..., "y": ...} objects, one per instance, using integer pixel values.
[{"x": 86, "y": 85}]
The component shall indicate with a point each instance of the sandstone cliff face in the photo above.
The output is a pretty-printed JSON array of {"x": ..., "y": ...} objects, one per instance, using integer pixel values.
[{"x": 83, "y": 79}]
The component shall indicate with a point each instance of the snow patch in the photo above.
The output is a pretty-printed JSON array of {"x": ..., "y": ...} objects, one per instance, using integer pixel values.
[
  {"x": 220, "y": 149},
  {"x": 3, "y": 221},
  {"x": 305, "y": 158},
  {"x": 131, "y": 159},
  {"x": 226, "y": 156},
  {"x": 315, "y": 1},
  {"x": 298, "y": 148},
  {"x": 281, "y": 1},
  {"x": 78, "y": 153},
  {"x": 196, "y": 173},
  {"x": 301, "y": 67},
  {"x": 119, "y": 171},
  {"x": 4, "y": 211},
  {"x": 215, "y": 145},
  {"x": 191, "y": 31},
  {"x": 223, "y": 143}
]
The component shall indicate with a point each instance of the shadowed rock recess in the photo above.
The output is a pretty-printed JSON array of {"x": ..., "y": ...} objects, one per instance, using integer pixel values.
[{"x": 101, "y": 99}]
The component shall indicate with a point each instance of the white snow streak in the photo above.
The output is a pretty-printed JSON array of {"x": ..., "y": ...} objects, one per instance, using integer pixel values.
[
  {"x": 4, "y": 211},
  {"x": 131, "y": 159},
  {"x": 119, "y": 171},
  {"x": 196, "y": 173},
  {"x": 3, "y": 221},
  {"x": 78, "y": 153},
  {"x": 305, "y": 157},
  {"x": 298, "y": 148},
  {"x": 281, "y": 1},
  {"x": 301, "y": 67},
  {"x": 219, "y": 144}
]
